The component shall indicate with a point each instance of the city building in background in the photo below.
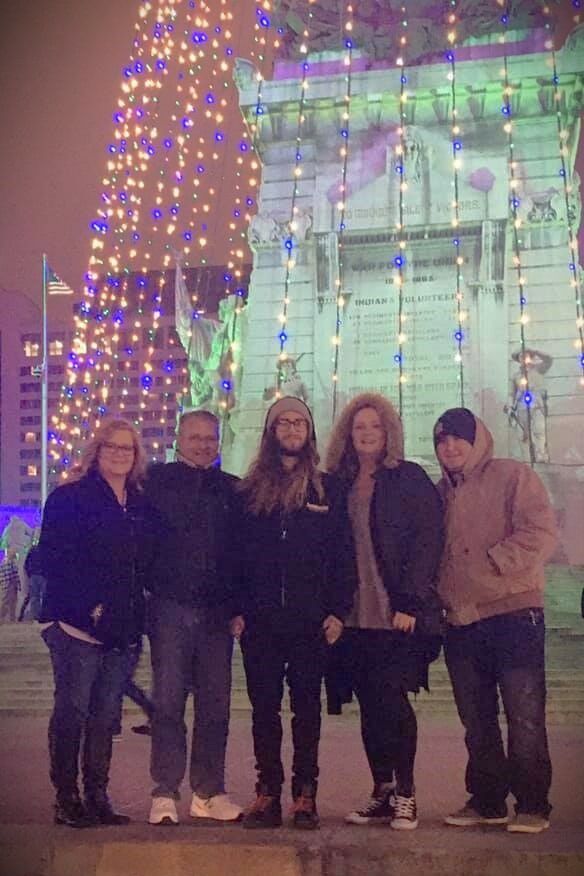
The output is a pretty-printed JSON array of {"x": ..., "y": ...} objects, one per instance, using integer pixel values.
[{"x": 165, "y": 371}]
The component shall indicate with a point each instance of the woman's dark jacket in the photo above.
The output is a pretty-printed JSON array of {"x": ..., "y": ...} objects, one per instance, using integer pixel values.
[
  {"x": 407, "y": 532},
  {"x": 298, "y": 565},
  {"x": 94, "y": 552}
]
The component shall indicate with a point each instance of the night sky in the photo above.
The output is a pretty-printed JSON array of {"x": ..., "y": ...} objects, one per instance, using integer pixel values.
[
  {"x": 60, "y": 72},
  {"x": 60, "y": 65}
]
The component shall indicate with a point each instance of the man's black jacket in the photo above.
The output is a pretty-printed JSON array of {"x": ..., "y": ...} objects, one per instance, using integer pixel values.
[
  {"x": 197, "y": 562},
  {"x": 298, "y": 565}
]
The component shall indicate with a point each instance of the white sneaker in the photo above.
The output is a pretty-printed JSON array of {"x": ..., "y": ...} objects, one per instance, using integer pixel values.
[
  {"x": 163, "y": 811},
  {"x": 218, "y": 808}
]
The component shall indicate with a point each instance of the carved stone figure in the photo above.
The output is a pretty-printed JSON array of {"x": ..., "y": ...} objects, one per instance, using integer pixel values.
[{"x": 262, "y": 230}]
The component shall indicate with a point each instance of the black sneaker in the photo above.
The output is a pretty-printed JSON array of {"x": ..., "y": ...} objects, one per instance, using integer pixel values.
[
  {"x": 264, "y": 812},
  {"x": 377, "y": 810},
  {"x": 304, "y": 814},
  {"x": 101, "y": 812},
  {"x": 405, "y": 813},
  {"x": 72, "y": 812}
]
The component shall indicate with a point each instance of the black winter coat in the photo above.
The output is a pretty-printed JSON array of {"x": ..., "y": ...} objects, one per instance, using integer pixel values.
[
  {"x": 407, "y": 531},
  {"x": 198, "y": 512},
  {"x": 298, "y": 565},
  {"x": 408, "y": 536},
  {"x": 94, "y": 552}
]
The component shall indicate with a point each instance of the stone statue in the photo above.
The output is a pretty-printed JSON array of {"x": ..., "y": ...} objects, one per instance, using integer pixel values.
[
  {"x": 262, "y": 230},
  {"x": 290, "y": 381},
  {"x": 532, "y": 427}
]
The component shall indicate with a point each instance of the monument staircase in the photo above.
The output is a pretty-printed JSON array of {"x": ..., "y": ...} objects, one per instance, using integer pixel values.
[{"x": 26, "y": 681}]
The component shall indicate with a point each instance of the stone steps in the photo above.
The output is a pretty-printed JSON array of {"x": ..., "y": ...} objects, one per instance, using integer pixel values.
[
  {"x": 26, "y": 679},
  {"x": 26, "y": 684}
]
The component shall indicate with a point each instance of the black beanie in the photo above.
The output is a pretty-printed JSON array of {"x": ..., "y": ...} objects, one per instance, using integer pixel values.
[{"x": 459, "y": 422}]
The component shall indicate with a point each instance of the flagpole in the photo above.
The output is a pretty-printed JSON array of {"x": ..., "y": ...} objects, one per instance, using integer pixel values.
[{"x": 44, "y": 392}]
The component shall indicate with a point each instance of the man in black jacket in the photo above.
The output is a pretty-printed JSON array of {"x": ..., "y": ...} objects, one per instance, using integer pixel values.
[
  {"x": 192, "y": 601},
  {"x": 296, "y": 596}
]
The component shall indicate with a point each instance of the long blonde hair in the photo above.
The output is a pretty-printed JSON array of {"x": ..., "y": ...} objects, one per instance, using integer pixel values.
[
  {"x": 341, "y": 456},
  {"x": 268, "y": 485},
  {"x": 89, "y": 457}
]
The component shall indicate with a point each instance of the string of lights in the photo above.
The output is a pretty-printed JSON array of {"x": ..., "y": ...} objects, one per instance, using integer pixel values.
[
  {"x": 289, "y": 242},
  {"x": 401, "y": 168},
  {"x": 566, "y": 177},
  {"x": 456, "y": 147},
  {"x": 344, "y": 133},
  {"x": 516, "y": 223},
  {"x": 148, "y": 184}
]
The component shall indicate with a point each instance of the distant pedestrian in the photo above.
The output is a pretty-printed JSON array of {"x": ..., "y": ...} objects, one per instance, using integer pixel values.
[{"x": 9, "y": 587}]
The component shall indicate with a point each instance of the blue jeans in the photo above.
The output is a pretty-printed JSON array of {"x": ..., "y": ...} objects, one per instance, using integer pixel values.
[
  {"x": 189, "y": 652},
  {"x": 505, "y": 652},
  {"x": 88, "y": 686}
]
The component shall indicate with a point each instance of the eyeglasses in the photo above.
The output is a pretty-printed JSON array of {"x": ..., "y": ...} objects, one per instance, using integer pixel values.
[
  {"x": 121, "y": 448},
  {"x": 284, "y": 423}
]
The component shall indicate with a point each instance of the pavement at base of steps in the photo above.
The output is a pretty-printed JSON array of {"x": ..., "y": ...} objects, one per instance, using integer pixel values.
[{"x": 32, "y": 846}]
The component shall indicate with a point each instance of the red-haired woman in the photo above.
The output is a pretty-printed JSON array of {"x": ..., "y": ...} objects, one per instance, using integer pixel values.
[{"x": 396, "y": 524}]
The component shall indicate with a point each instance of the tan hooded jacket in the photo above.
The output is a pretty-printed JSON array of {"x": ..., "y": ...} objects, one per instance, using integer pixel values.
[{"x": 500, "y": 531}]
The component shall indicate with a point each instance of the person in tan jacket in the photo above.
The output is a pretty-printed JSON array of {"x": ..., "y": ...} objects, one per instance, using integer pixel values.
[{"x": 500, "y": 530}]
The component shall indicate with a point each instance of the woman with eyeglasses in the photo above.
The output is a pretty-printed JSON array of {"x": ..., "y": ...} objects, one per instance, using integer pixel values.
[{"x": 96, "y": 537}]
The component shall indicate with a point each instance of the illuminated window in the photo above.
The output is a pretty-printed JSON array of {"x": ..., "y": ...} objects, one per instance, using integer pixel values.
[
  {"x": 31, "y": 471},
  {"x": 56, "y": 348},
  {"x": 79, "y": 346},
  {"x": 30, "y": 437},
  {"x": 32, "y": 348}
]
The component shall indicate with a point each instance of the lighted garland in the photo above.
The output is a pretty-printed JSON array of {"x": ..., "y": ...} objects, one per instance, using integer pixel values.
[
  {"x": 290, "y": 227},
  {"x": 456, "y": 148},
  {"x": 123, "y": 219},
  {"x": 567, "y": 188},
  {"x": 344, "y": 133},
  {"x": 398, "y": 260},
  {"x": 514, "y": 204}
]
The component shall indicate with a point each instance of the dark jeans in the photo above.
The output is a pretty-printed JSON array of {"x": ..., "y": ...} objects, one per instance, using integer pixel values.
[
  {"x": 132, "y": 690},
  {"x": 378, "y": 664},
  {"x": 189, "y": 652},
  {"x": 88, "y": 685},
  {"x": 31, "y": 607},
  {"x": 270, "y": 656},
  {"x": 505, "y": 652}
]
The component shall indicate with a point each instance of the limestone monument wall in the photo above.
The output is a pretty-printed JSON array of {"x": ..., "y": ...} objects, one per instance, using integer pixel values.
[{"x": 489, "y": 276}]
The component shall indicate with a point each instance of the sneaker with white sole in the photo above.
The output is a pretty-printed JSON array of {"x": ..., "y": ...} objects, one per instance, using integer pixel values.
[
  {"x": 377, "y": 810},
  {"x": 469, "y": 816},
  {"x": 528, "y": 822},
  {"x": 163, "y": 811},
  {"x": 217, "y": 808},
  {"x": 405, "y": 813}
]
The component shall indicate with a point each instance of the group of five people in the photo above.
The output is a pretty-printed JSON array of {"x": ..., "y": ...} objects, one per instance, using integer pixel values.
[{"x": 357, "y": 573}]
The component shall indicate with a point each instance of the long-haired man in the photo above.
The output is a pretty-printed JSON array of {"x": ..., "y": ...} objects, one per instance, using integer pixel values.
[{"x": 296, "y": 596}]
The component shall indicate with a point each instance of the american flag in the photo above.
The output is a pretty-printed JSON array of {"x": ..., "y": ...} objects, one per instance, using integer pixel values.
[{"x": 56, "y": 286}]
